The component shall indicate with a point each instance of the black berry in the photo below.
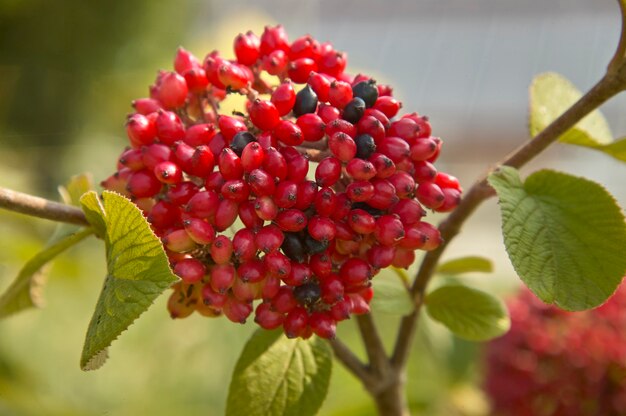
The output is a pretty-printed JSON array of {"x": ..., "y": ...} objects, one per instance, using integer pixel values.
[
  {"x": 353, "y": 111},
  {"x": 365, "y": 146},
  {"x": 367, "y": 91},
  {"x": 306, "y": 102}
]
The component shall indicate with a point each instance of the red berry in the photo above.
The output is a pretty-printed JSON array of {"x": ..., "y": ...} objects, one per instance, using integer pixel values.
[
  {"x": 252, "y": 271},
  {"x": 285, "y": 194},
  {"x": 361, "y": 221},
  {"x": 355, "y": 272},
  {"x": 261, "y": 182},
  {"x": 322, "y": 228},
  {"x": 203, "y": 205},
  {"x": 331, "y": 289},
  {"x": 323, "y": 325},
  {"x": 295, "y": 323},
  {"x": 236, "y": 190},
  {"x": 266, "y": 208},
  {"x": 300, "y": 69},
  {"x": 236, "y": 310},
  {"x": 275, "y": 63},
  {"x": 226, "y": 214},
  {"x": 247, "y": 215},
  {"x": 388, "y": 105},
  {"x": 247, "y": 48},
  {"x": 185, "y": 61},
  {"x": 328, "y": 171},
  {"x": 320, "y": 83},
  {"x": 169, "y": 127},
  {"x": 143, "y": 184},
  {"x": 190, "y": 270},
  {"x": 178, "y": 241},
  {"x": 164, "y": 215},
  {"x": 199, "y": 230},
  {"x": 288, "y": 133},
  {"x": 146, "y": 106},
  {"x": 213, "y": 298},
  {"x": 181, "y": 193},
  {"x": 333, "y": 63},
  {"x": 222, "y": 277},
  {"x": 141, "y": 130},
  {"x": 423, "y": 149},
  {"x": 229, "y": 126},
  {"x": 404, "y": 184},
  {"x": 291, "y": 220},
  {"x": 230, "y": 165},
  {"x": 445, "y": 180},
  {"x": 307, "y": 191},
  {"x": 266, "y": 318},
  {"x": 430, "y": 195},
  {"x": 274, "y": 38},
  {"x": 269, "y": 238},
  {"x": 325, "y": 202},
  {"x": 311, "y": 126},
  {"x": 380, "y": 256},
  {"x": 264, "y": 114},
  {"x": 277, "y": 264},
  {"x": 384, "y": 194},
  {"x": 196, "y": 80},
  {"x": 360, "y": 191},
  {"x": 409, "y": 211},
  {"x": 284, "y": 97},
  {"x": 275, "y": 164},
  {"x": 360, "y": 169},
  {"x": 172, "y": 92},
  {"x": 339, "y": 94},
  {"x": 304, "y": 47},
  {"x": 328, "y": 113},
  {"x": 342, "y": 146},
  {"x": 200, "y": 134},
  {"x": 389, "y": 230},
  {"x": 221, "y": 249}
]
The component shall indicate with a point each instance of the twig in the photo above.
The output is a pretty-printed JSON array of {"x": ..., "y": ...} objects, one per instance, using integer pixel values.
[
  {"x": 607, "y": 87},
  {"x": 373, "y": 344},
  {"x": 40, "y": 207},
  {"x": 351, "y": 361}
]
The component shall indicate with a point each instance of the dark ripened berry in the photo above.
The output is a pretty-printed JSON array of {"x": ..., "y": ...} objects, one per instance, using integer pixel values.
[
  {"x": 293, "y": 248},
  {"x": 306, "y": 102},
  {"x": 365, "y": 146},
  {"x": 313, "y": 246},
  {"x": 307, "y": 294},
  {"x": 240, "y": 140},
  {"x": 367, "y": 91},
  {"x": 353, "y": 111}
]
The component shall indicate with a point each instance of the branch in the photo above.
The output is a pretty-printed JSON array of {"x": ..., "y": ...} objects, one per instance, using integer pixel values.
[
  {"x": 40, "y": 207},
  {"x": 607, "y": 87},
  {"x": 351, "y": 361},
  {"x": 373, "y": 344}
]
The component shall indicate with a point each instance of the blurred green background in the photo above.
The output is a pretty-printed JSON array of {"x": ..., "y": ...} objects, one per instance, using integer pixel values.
[{"x": 68, "y": 71}]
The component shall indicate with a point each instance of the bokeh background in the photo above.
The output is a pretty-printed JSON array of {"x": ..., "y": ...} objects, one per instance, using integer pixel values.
[{"x": 68, "y": 71}]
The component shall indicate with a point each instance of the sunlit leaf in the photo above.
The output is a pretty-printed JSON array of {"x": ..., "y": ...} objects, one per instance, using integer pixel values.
[
  {"x": 550, "y": 96},
  {"x": 137, "y": 272},
  {"x": 565, "y": 236}
]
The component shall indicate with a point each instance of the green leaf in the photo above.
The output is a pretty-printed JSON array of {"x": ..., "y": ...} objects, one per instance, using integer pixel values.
[
  {"x": 550, "y": 96},
  {"x": 469, "y": 313},
  {"x": 77, "y": 186},
  {"x": 390, "y": 295},
  {"x": 137, "y": 272},
  {"x": 280, "y": 376},
  {"x": 466, "y": 265},
  {"x": 25, "y": 291},
  {"x": 564, "y": 235}
]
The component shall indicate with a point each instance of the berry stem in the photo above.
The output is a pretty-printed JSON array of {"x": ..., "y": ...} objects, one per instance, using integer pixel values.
[
  {"x": 610, "y": 85},
  {"x": 377, "y": 357},
  {"x": 40, "y": 207}
]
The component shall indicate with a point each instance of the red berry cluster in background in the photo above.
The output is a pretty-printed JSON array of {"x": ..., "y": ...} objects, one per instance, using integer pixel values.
[
  {"x": 559, "y": 363},
  {"x": 328, "y": 182}
]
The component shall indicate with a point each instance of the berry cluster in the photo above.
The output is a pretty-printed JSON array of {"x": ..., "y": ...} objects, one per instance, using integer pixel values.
[
  {"x": 327, "y": 181},
  {"x": 554, "y": 362}
]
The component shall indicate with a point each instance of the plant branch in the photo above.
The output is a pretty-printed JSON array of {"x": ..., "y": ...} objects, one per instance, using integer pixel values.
[
  {"x": 373, "y": 344},
  {"x": 607, "y": 87},
  {"x": 351, "y": 361},
  {"x": 40, "y": 207}
]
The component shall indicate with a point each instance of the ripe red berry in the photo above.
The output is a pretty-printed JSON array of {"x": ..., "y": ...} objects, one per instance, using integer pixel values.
[
  {"x": 190, "y": 270},
  {"x": 143, "y": 183},
  {"x": 430, "y": 194},
  {"x": 339, "y": 94},
  {"x": 291, "y": 220},
  {"x": 342, "y": 146},
  {"x": 328, "y": 171},
  {"x": 311, "y": 126},
  {"x": 172, "y": 92},
  {"x": 300, "y": 69},
  {"x": 288, "y": 133},
  {"x": 247, "y": 48},
  {"x": 169, "y": 127},
  {"x": 284, "y": 98},
  {"x": 323, "y": 325},
  {"x": 221, "y": 250},
  {"x": 269, "y": 238},
  {"x": 295, "y": 324},
  {"x": 141, "y": 130},
  {"x": 361, "y": 221},
  {"x": 266, "y": 318},
  {"x": 274, "y": 38},
  {"x": 199, "y": 230}
]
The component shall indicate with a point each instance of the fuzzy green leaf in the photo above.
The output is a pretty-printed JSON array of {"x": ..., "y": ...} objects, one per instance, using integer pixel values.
[
  {"x": 279, "y": 376},
  {"x": 137, "y": 272},
  {"x": 467, "y": 264},
  {"x": 25, "y": 291},
  {"x": 550, "y": 96},
  {"x": 390, "y": 295},
  {"x": 565, "y": 236},
  {"x": 469, "y": 313}
]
